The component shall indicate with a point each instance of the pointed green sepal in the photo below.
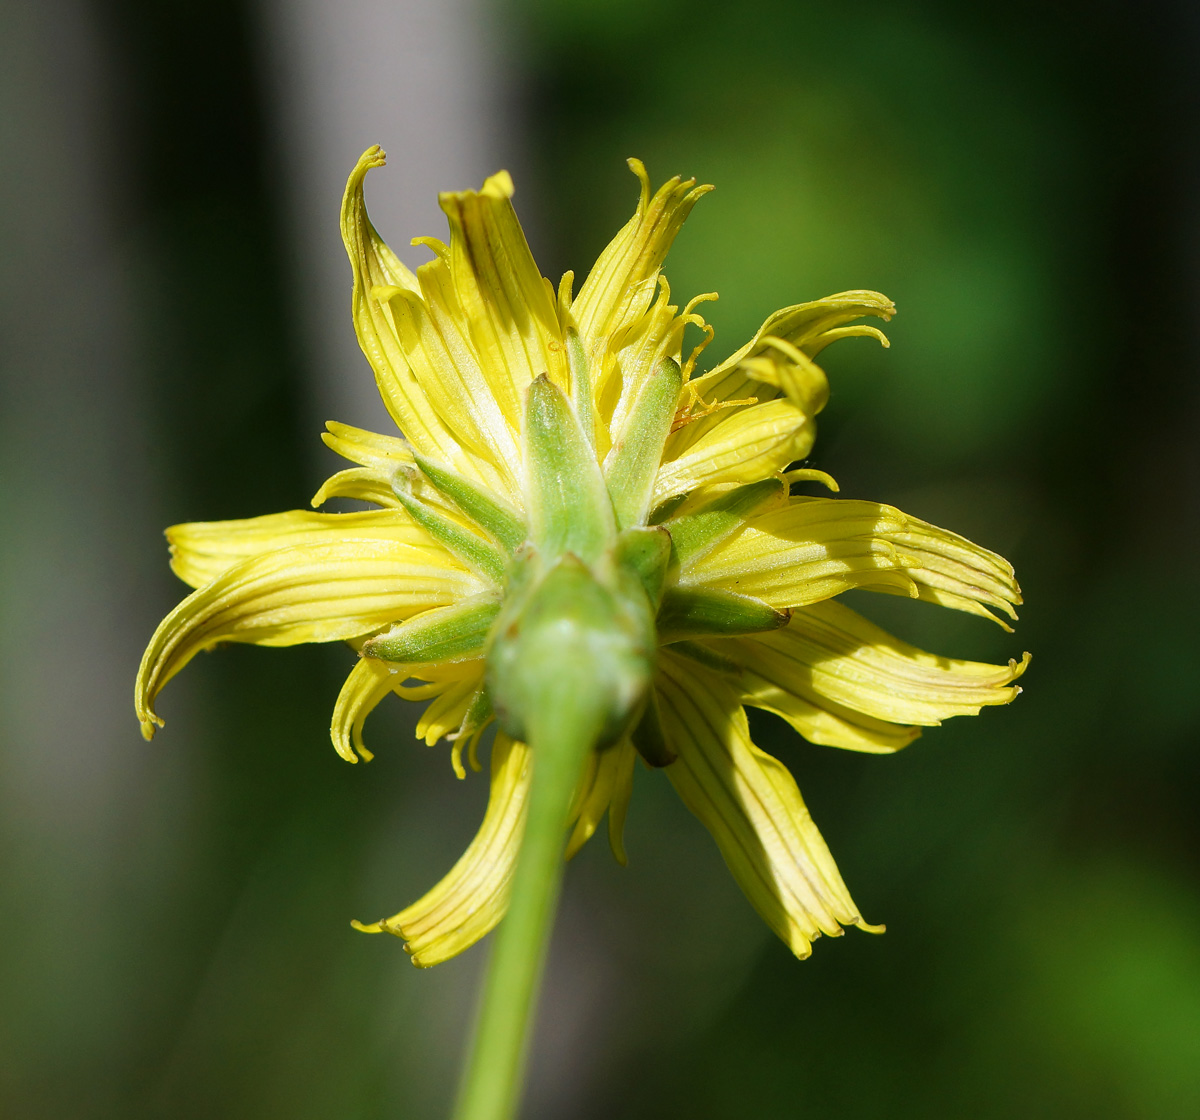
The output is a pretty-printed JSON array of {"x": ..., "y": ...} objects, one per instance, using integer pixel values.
[
  {"x": 697, "y": 532},
  {"x": 567, "y": 502},
  {"x": 648, "y": 738},
  {"x": 581, "y": 386},
  {"x": 698, "y": 612},
  {"x": 479, "y": 713},
  {"x": 455, "y": 633},
  {"x": 645, "y": 553},
  {"x": 496, "y": 518},
  {"x": 634, "y": 460},
  {"x": 478, "y": 554}
]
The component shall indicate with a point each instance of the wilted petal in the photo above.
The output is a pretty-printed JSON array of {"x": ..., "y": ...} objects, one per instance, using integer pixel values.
[
  {"x": 831, "y": 657},
  {"x": 203, "y": 550},
  {"x": 606, "y": 787},
  {"x": 310, "y": 593},
  {"x": 751, "y": 805},
  {"x": 504, "y": 302},
  {"x": 809, "y": 550},
  {"x": 472, "y": 898},
  {"x": 621, "y": 284}
]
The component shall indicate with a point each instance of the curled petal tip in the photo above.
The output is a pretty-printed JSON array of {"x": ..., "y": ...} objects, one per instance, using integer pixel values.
[
  {"x": 500, "y": 184},
  {"x": 369, "y": 927}
]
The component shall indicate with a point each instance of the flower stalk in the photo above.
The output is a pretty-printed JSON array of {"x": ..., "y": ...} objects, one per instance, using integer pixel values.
[
  {"x": 560, "y": 744},
  {"x": 569, "y": 665}
]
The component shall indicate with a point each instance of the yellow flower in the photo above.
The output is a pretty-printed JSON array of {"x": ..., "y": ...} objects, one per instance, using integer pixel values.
[{"x": 548, "y": 428}]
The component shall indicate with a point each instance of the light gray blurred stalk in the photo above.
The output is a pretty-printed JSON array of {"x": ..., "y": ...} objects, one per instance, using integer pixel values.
[
  {"x": 429, "y": 81},
  {"x": 419, "y": 77}
]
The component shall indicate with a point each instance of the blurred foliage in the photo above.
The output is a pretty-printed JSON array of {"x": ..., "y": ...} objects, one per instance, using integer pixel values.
[{"x": 1022, "y": 179}]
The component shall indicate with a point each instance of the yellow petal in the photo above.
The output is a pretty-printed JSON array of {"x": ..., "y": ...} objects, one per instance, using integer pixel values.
[
  {"x": 621, "y": 284},
  {"x": 618, "y": 809},
  {"x": 503, "y": 298},
  {"x": 429, "y": 328},
  {"x": 380, "y": 458},
  {"x": 310, "y": 593},
  {"x": 829, "y": 653},
  {"x": 451, "y": 373},
  {"x": 203, "y": 550},
  {"x": 751, "y": 805},
  {"x": 472, "y": 898},
  {"x": 794, "y": 373},
  {"x": 368, "y": 683},
  {"x": 363, "y": 484},
  {"x": 605, "y": 788},
  {"x": 949, "y": 570},
  {"x": 811, "y": 549},
  {"x": 444, "y": 716},
  {"x": 759, "y": 370},
  {"x": 743, "y": 446},
  {"x": 368, "y": 449},
  {"x": 633, "y": 353},
  {"x": 809, "y": 327},
  {"x": 827, "y": 724},
  {"x": 371, "y": 680},
  {"x": 377, "y": 269}
]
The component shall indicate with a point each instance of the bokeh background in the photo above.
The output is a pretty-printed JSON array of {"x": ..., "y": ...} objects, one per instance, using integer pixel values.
[{"x": 1023, "y": 179}]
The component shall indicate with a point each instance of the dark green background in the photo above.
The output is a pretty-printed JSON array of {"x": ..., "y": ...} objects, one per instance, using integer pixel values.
[{"x": 1023, "y": 180}]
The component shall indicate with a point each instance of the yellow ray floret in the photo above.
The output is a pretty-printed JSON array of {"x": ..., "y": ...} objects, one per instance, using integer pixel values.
[
  {"x": 309, "y": 593},
  {"x": 830, "y": 655},
  {"x": 750, "y": 804},
  {"x": 203, "y": 550},
  {"x": 471, "y": 899}
]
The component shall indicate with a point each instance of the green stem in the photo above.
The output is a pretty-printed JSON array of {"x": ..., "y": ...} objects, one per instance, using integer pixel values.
[{"x": 560, "y": 737}]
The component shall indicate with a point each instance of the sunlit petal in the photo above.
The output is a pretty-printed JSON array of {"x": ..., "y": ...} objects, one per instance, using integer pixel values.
[
  {"x": 203, "y": 550},
  {"x": 749, "y": 801},
  {"x": 506, "y": 306},
  {"x": 310, "y": 593},
  {"x": 472, "y": 898},
  {"x": 831, "y": 657}
]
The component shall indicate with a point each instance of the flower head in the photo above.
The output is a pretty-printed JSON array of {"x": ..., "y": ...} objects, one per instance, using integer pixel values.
[{"x": 566, "y": 481}]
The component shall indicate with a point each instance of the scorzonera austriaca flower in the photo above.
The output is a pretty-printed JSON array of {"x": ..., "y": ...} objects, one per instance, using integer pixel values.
[{"x": 573, "y": 514}]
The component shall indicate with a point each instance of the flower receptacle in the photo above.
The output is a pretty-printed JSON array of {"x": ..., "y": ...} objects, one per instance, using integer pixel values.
[{"x": 568, "y": 639}]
